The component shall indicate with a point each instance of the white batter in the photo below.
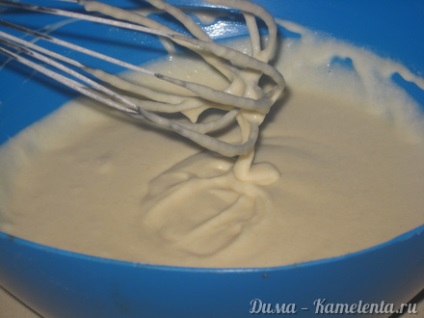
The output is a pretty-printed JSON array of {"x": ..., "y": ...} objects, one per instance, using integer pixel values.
[{"x": 341, "y": 170}]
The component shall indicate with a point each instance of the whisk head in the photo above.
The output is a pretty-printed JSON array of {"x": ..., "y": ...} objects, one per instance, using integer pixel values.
[{"x": 245, "y": 106}]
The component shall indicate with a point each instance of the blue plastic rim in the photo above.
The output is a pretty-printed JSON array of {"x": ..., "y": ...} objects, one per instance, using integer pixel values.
[{"x": 58, "y": 283}]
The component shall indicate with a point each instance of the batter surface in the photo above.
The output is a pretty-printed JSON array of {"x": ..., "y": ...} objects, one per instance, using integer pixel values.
[{"x": 338, "y": 168}]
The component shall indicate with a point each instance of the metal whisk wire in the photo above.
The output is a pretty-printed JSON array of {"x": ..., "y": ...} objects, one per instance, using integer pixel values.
[{"x": 96, "y": 83}]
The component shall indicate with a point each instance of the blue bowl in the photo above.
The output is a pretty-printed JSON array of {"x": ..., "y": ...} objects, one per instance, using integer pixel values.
[{"x": 58, "y": 283}]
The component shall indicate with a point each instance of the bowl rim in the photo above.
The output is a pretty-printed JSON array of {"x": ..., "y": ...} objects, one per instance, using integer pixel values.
[{"x": 177, "y": 268}]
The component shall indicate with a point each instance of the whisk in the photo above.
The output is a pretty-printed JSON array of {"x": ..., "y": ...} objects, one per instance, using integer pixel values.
[{"x": 245, "y": 107}]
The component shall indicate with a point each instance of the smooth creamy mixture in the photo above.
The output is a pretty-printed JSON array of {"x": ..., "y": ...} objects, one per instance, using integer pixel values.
[{"x": 338, "y": 168}]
